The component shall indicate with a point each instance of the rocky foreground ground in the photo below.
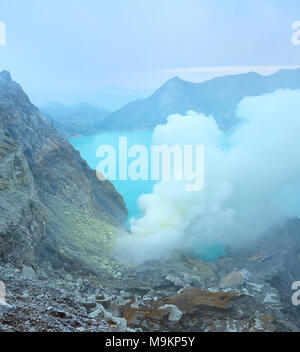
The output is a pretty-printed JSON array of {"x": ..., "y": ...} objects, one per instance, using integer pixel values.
[
  {"x": 250, "y": 291},
  {"x": 37, "y": 305}
]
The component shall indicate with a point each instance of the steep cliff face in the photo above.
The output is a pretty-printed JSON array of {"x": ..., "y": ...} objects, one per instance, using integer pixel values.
[{"x": 53, "y": 208}]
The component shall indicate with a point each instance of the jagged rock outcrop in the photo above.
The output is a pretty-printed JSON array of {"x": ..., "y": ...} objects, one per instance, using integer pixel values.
[{"x": 53, "y": 208}]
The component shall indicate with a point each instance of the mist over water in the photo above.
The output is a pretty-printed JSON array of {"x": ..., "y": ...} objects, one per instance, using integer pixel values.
[{"x": 251, "y": 183}]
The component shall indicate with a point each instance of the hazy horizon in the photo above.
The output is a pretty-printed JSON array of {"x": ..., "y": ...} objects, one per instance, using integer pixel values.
[{"x": 73, "y": 47}]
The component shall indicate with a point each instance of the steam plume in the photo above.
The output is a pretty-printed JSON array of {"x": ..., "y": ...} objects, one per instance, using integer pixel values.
[{"x": 252, "y": 182}]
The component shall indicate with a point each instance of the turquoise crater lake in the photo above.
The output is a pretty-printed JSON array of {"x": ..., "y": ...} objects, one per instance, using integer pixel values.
[{"x": 130, "y": 190}]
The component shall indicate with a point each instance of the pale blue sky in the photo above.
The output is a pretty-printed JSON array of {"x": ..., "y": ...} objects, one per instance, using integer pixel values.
[{"x": 55, "y": 46}]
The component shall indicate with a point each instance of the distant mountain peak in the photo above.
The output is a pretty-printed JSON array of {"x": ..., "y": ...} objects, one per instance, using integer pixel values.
[
  {"x": 171, "y": 84},
  {"x": 176, "y": 78},
  {"x": 5, "y": 75},
  {"x": 173, "y": 80}
]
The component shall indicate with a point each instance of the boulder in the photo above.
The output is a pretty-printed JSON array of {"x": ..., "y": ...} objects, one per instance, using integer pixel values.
[
  {"x": 28, "y": 272},
  {"x": 234, "y": 279},
  {"x": 175, "y": 313}
]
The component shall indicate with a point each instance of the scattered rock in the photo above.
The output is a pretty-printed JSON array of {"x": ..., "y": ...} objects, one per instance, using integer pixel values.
[
  {"x": 68, "y": 277},
  {"x": 28, "y": 272},
  {"x": 40, "y": 306},
  {"x": 175, "y": 280},
  {"x": 175, "y": 313},
  {"x": 234, "y": 279}
]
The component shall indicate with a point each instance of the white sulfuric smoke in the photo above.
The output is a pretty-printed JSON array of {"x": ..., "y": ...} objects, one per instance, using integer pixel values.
[{"x": 252, "y": 182}]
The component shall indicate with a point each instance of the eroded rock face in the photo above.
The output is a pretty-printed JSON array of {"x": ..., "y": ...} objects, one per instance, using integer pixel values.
[
  {"x": 53, "y": 208},
  {"x": 22, "y": 224}
]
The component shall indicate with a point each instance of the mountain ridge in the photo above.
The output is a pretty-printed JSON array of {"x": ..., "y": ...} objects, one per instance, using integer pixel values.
[
  {"x": 75, "y": 120},
  {"x": 218, "y": 97}
]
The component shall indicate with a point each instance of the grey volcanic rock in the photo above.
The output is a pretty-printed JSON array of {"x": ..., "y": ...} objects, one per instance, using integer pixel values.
[
  {"x": 22, "y": 224},
  {"x": 234, "y": 279},
  {"x": 218, "y": 97},
  {"x": 40, "y": 306},
  {"x": 75, "y": 120},
  {"x": 274, "y": 261},
  {"x": 53, "y": 208},
  {"x": 256, "y": 280},
  {"x": 28, "y": 272}
]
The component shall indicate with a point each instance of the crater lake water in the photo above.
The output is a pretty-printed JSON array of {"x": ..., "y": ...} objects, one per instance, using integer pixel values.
[{"x": 131, "y": 190}]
